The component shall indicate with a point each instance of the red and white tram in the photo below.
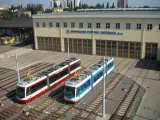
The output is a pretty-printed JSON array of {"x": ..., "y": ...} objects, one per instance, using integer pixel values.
[{"x": 31, "y": 88}]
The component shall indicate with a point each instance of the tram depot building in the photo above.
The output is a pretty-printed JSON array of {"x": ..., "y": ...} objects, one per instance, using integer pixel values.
[{"x": 120, "y": 33}]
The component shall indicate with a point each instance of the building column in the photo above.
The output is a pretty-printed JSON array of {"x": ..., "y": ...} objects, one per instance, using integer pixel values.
[
  {"x": 142, "y": 56},
  {"x": 158, "y": 52},
  {"x": 35, "y": 39},
  {"x": 62, "y": 44},
  {"x": 116, "y": 48},
  {"x": 93, "y": 46},
  {"x": 129, "y": 49},
  {"x": 61, "y": 39},
  {"x": 93, "y": 40}
]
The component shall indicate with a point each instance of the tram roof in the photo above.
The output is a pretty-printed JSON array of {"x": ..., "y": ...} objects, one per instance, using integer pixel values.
[
  {"x": 103, "y": 14},
  {"x": 87, "y": 72},
  {"x": 44, "y": 74}
]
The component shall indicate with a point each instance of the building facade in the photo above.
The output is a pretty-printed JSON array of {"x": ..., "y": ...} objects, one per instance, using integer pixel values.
[
  {"x": 122, "y": 3},
  {"x": 73, "y": 3},
  {"x": 55, "y": 3},
  {"x": 130, "y": 34}
]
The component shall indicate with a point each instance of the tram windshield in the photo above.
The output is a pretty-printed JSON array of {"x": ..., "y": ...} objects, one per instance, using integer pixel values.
[
  {"x": 69, "y": 91},
  {"x": 20, "y": 92}
]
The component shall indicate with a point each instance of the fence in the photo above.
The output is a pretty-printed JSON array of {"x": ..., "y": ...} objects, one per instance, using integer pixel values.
[{"x": 18, "y": 50}]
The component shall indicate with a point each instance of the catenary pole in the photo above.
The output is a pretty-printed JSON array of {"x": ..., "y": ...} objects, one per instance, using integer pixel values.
[
  {"x": 103, "y": 111},
  {"x": 17, "y": 69},
  {"x": 68, "y": 47}
]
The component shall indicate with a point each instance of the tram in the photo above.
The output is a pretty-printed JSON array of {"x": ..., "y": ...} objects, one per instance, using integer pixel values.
[
  {"x": 76, "y": 88},
  {"x": 32, "y": 87}
]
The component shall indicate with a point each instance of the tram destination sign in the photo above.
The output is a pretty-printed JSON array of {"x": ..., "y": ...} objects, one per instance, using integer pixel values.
[{"x": 94, "y": 32}]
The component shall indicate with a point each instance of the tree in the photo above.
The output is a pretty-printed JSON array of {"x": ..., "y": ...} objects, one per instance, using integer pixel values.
[
  {"x": 34, "y": 8},
  {"x": 84, "y": 6},
  {"x": 55, "y": 5},
  {"x": 107, "y": 5},
  {"x": 92, "y": 7},
  {"x": 127, "y": 6},
  {"x": 23, "y": 15},
  {"x": 80, "y": 5},
  {"x": 71, "y": 5},
  {"x": 103, "y": 5},
  {"x": 74, "y": 4},
  {"x": 60, "y": 5},
  {"x": 146, "y": 6},
  {"x": 99, "y": 5},
  {"x": 7, "y": 15},
  {"x": 48, "y": 11},
  {"x": 113, "y": 5}
]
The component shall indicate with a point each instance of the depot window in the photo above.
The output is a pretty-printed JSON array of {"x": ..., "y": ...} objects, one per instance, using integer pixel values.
[
  {"x": 139, "y": 26},
  {"x": 159, "y": 26},
  {"x": 98, "y": 25},
  {"x": 149, "y": 26},
  {"x": 107, "y": 25},
  {"x": 57, "y": 24},
  {"x": 128, "y": 26},
  {"x": 37, "y": 24},
  {"x": 117, "y": 25},
  {"x": 44, "y": 24},
  {"x": 72, "y": 24},
  {"x": 50, "y": 24},
  {"x": 80, "y": 25},
  {"x": 65, "y": 24},
  {"x": 89, "y": 25}
]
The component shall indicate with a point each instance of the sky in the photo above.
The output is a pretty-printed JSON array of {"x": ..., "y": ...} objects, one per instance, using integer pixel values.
[{"x": 46, "y": 3}]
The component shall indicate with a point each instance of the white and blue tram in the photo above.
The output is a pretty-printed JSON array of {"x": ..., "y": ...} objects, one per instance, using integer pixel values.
[{"x": 76, "y": 88}]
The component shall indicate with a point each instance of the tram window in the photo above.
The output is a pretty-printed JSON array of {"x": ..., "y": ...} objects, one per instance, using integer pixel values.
[
  {"x": 58, "y": 76},
  {"x": 38, "y": 86},
  {"x": 86, "y": 85},
  {"x": 28, "y": 91},
  {"x": 43, "y": 83},
  {"x": 65, "y": 72},
  {"x": 20, "y": 91},
  {"x": 74, "y": 66},
  {"x": 69, "y": 91},
  {"x": 101, "y": 74},
  {"x": 52, "y": 79},
  {"x": 109, "y": 65},
  {"x": 79, "y": 91},
  {"x": 96, "y": 78}
]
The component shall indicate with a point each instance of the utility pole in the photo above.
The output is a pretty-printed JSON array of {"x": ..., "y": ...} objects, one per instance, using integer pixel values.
[
  {"x": 17, "y": 69},
  {"x": 103, "y": 99},
  {"x": 68, "y": 47}
]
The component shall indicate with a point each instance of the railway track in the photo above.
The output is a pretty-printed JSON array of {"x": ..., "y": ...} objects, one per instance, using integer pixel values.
[
  {"x": 62, "y": 111},
  {"x": 10, "y": 87},
  {"x": 7, "y": 85},
  {"x": 38, "y": 110},
  {"x": 128, "y": 106},
  {"x": 53, "y": 98},
  {"x": 3, "y": 97},
  {"x": 42, "y": 106},
  {"x": 93, "y": 107},
  {"x": 4, "y": 71}
]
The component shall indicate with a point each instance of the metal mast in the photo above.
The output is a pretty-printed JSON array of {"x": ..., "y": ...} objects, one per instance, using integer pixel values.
[
  {"x": 68, "y": 47},
  {"x": 17, "y": 68},
  {"x": 103, "y": 111}
]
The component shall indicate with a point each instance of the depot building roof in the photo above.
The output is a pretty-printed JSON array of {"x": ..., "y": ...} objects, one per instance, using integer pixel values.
[{"x": 103, "y": 14}]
